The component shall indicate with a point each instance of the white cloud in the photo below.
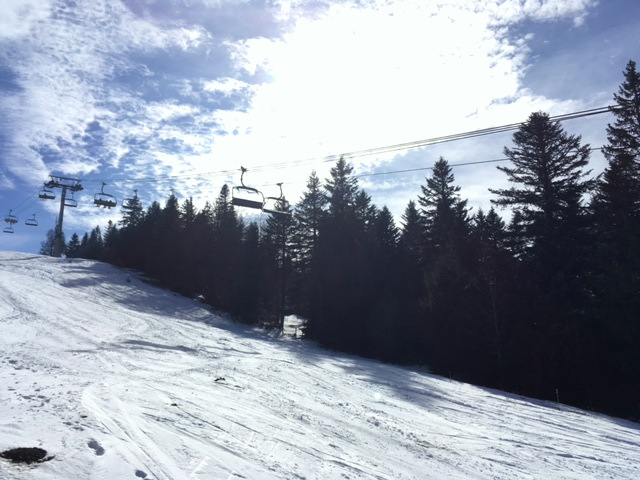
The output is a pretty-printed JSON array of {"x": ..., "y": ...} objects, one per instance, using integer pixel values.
[
  {"x": 350, "y": 76},
  {"x": 19, "y": 17},
  {"x": 511, "y": 11}
]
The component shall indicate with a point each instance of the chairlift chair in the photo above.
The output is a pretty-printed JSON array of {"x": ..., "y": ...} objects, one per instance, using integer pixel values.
[
  {"x": 71, "y": 202},
  {"x": 11, "y": 219},
  {"x": 276, "y": 205},
  {"x": 246, "y": 196},
  {"x": 47, "y": 194},
  {"x": 104, "y": 200},
  {"x": 132, "y": 203},
  {"x": 32, "y": 222},
  {"x": 8, "y": 229}
]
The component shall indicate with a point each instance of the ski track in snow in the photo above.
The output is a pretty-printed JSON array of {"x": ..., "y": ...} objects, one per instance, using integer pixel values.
[{"x": 118, "y": 379}]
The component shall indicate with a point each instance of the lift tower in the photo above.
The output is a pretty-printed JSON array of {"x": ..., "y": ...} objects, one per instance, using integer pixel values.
[{"x": 65, "y": 183}]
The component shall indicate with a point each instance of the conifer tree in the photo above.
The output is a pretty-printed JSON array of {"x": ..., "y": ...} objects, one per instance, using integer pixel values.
[
  {"x": 188, "y": 212},
  {"x": 412, "y": 230},
  {"x": 276, "y": 243},
  {"x": 47, "y": 245},
  {"x": 336, "y": 311},
  {"x": 110, "y": 244},
  {"x": 308, "y": 215},
  {"x": 550, "y": 180},
  {"x": 73, "y": 246},
  {"x": 386, "y": 233},
  {"x": 133, "y": 214},
  {"x": 92, "y": 247},
  {"x": 617, "y": 199},
  {"x": 250, "y": 278},
  {"x": 444, "y": 213},
  {"x": 614, "y": 282},
  {"x": 226, "y": 250},
  {"x": 447, "y": 269},
  {"x": 341, "y": 190}
]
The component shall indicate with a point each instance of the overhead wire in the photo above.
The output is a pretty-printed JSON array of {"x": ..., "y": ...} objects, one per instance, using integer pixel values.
[{"x": 363, "y": 152}]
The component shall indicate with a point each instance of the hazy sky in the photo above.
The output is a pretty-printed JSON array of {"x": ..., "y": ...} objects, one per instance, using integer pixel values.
[{"x": 178, "y": 94}]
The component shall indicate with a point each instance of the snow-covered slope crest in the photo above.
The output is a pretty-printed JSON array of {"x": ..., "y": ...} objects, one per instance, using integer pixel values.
[{"x": 117, "y": 379}]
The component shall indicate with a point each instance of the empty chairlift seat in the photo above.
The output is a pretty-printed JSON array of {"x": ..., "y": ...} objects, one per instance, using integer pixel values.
[
  {"x": 132, "y": 203},
  {"x": 243, "y": 196},
  {"x": 71, "y": 202},
  {"x": 276, "y": 205},
  {"x": 32, "y": 222}
]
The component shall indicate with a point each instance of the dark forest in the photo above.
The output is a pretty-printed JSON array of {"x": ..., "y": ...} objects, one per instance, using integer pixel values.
[{"x": 546, "y": 305}]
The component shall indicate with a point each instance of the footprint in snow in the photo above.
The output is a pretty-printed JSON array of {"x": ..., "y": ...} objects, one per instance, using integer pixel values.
[{"x": 96, "y": 447}]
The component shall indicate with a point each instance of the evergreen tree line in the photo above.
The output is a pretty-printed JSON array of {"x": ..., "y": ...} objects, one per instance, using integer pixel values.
[{"x": 547, "y": 305}]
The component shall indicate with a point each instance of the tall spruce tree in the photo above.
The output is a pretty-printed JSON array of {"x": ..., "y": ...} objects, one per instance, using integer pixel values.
[
  {"x": 309, "y": 213},
  {"x": 337, "y": 311},
  {"x": 614, "y": 293},
  {"x": 550, "y": 183},
  {"x": 47, "y": 245},
  {"x": 447, "y": 270},
  {"x": 226, "y": 254},
  {"x": 412, "y": 231},
  {"x": 73, "y": 246},
  {"x": 444, "y": 213},
  {"x": 341, "y": 189},
  {"x": 617, "y": 199},
  {"x": 250, "y": 280},
  {"x": 133, "y": 214},
  {"x": 276, "y": 244}
]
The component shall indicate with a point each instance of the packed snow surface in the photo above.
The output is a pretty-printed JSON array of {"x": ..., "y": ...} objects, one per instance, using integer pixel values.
[{"x": 118, "y": 379}]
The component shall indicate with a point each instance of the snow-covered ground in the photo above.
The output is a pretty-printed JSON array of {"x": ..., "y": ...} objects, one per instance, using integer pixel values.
[{"x": 118, "y": 379}]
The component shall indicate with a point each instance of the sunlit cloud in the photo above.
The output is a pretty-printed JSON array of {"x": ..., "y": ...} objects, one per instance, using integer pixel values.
[{"x": 132, "y": 91}]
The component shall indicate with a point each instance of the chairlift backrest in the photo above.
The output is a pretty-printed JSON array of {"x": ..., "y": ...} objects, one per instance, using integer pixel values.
[
  {"x": 70, "y": 202},
  {"x": 276, "y": 205},
  {"x": 32, "y": 222},
  {"x": 243, "y": 196},
  {"x": 104, "y": 199},
  {"x": 132, "y": 203}
]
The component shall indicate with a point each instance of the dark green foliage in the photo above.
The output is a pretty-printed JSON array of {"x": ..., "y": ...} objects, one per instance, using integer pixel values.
[
  {"x": 92, "y": 245},
  {"x": 47, "y": 246},
  {"x": 308, "y": 216},
  {"x": 550, "y": 183},
  {"x": 613, "y": 291},
  {"x": 446, "y": 318},
  {"x": 276, "y": 264},
  {"x": 548, "y": 303},
  {"x": 444, "y": 213},
  {"x": 133, "y": 215},
  {"x": 412, "y": 230},
  {"x": 73, "y": 246}
]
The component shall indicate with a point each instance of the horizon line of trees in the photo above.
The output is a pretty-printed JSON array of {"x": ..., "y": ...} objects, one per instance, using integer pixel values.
[{"x": 547, "y": 305}]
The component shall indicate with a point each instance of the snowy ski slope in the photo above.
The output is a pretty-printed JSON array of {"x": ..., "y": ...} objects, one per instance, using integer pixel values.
[{"x": 118, "y": 379}]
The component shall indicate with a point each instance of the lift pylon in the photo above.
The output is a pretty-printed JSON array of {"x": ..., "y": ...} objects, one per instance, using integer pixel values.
[{"x": 64, "y": 183}]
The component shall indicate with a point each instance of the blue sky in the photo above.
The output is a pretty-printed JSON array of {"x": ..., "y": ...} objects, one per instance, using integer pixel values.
[{"x": 176, "y": 95}]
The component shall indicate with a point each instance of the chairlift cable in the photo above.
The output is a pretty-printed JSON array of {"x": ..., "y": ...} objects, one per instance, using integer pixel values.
[
  {"x": 360, "y": 153},
  {"x": 368, "y": 151}
]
